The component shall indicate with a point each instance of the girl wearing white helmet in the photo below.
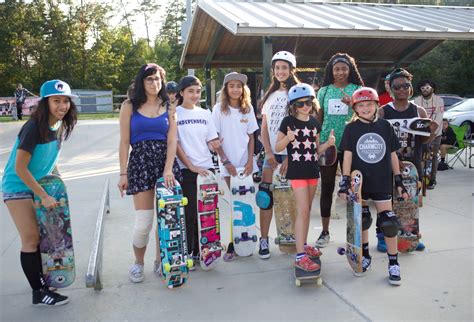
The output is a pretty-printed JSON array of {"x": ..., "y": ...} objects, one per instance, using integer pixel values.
[
  {"x": 341, "y": 79},
  {"x": 299, "y": 136},
  {"x": 34, "y": 155},
  {"x": 370, "y": 146},
  {"x": 274, "y": 109}
]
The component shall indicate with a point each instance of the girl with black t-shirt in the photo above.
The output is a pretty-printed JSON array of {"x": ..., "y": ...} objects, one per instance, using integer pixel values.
[
  {"x": 299, "y": 134},
  {"x": 370, "y": 146}
]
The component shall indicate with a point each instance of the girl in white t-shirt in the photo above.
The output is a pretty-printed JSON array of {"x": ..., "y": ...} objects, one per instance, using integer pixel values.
[
  {"x": 235, "y": 122},
  {"x": 274, "y": 109},
  {"x": 196, "y": 133}
]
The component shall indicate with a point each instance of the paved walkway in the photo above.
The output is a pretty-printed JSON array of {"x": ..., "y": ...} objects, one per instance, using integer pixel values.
[{"x": 437, "y": 283}]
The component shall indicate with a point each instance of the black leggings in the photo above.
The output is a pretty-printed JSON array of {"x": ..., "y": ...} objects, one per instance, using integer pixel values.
[{"x": 328, "y": 181}]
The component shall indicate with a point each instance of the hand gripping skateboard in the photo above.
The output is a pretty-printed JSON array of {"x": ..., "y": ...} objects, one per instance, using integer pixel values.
[
  {"x": 56, "y": 247},
  {"x": 208, "y": 221},
  {"x": 175, "y": 263},
  {"x": 407, "y": 211},
  {"x": 353, "y": 250},
  {"x": 242, "y": 195},
  {"x": 284, "y": 207}
]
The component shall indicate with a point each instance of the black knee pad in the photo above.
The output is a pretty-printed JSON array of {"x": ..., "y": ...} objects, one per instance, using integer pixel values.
[
  {"x": 264, "y": 196},
  {"x": 389, "y": 223},
  {"x": 366, "y": 218}
]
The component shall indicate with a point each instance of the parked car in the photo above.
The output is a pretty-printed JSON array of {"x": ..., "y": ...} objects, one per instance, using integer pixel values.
[
  {"x": 450, "y": 100},
  {"x": 462, "y": 113}
]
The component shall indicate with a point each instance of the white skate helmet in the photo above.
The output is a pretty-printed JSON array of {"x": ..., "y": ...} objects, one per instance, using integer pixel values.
[{"x": 286, "y": 56}]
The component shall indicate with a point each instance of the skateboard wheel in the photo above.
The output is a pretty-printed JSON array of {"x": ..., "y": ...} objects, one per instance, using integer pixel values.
[
  {"x": 236, "y": 240},
  {"x": 341, "y": 251},
  {"x": 204, "y": 194},
  {"x": 297, "y": 282},
  {"x": 252, "y": 189},
  {"x": 161, "y": 203},
  {"x": 277, "y": 241},
  {"x": 319, "y": 281},
  {"x": 221, "y": 192},
  {"x": 255, "y": 238},
  {"x": 184, "y": 201},
  {"x": 167, "y": 267},
  {"x": 234, "y": 191},
  {"x": 204, "y": 240},
  {"x": 189, "y": 263}
]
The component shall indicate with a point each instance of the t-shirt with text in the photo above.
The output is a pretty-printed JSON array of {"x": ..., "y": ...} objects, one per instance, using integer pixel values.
[{"x": 275, "y": 109}]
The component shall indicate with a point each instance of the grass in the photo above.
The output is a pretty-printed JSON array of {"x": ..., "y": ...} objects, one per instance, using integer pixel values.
[{"x": 81, "y": 116}]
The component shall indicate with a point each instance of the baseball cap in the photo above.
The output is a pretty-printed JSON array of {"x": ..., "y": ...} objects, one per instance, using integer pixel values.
[
  {"x": 235, "y": 76},
  {"x": 56, "y": 87}
]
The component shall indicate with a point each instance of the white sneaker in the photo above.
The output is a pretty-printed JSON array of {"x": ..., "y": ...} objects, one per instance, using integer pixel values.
[
  {"x": 136, "y": 273},
  {"x": 323, "y": 240}
]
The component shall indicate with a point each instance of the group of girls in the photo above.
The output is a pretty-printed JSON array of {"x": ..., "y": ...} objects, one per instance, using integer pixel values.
[{"x": 172, "y": 138}]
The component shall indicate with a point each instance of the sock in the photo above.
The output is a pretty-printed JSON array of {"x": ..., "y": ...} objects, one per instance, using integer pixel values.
[
  {"x": 299, "y": 256},
  {"x": 29, "y": 263},
  {"x": 392, "y": 259},
  {"x": 365, "y": 250}
]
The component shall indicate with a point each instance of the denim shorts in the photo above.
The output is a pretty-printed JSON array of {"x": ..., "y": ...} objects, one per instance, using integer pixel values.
[
  {"x": 17, "y": 195},
  {"x": 278, "y": 157}
]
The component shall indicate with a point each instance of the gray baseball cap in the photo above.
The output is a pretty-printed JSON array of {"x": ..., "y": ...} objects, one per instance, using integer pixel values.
[{"x": 235, "y": 76}]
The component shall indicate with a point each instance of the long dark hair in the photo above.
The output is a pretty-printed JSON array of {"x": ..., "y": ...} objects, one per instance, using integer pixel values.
[
  {"x": 275, "y": 84},
  {"x": 41, "y": 116},
  {"x": 139, "y": 96},
  {"x": 354, "y": 75}
]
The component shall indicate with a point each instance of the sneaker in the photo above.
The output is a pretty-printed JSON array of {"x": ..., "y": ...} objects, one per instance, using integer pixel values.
[
  {"x": 157, "y": 268},
  {"x": 264, "y": 249},
  {"x": 306, "y": 264},
  {"x": 312, "y": 252},
  {"x": 420, "y": 247},
  {"x": 431, "y": 185},
  {"x": 323, "y": 239},
  {"x": 136, "y": 274},
  {"x": 366, "y": 263},
  {"x": 381, "y": 246},
  {"x": 394, "y": 275},
  {"x": 45, "y": 297}
]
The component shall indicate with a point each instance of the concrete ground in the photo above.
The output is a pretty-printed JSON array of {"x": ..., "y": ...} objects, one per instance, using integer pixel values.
[{"x": 437, "y": 283}]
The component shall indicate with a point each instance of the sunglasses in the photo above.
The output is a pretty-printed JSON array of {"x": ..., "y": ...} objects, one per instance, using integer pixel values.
[
  {"x": 300, "y": 104},
  {"x": 427, "y": 87},
  {"x": 404, "y": 86}
]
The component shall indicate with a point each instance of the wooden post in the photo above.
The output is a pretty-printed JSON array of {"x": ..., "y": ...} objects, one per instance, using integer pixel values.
[{"x": 267, "y": 52}]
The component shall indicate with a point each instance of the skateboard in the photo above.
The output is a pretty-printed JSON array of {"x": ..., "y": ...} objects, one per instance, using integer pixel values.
[
  {"x": 353, "y": 250},
  {"x": 416, "y": 125},
  {"x": 284, "y": 207},
  {"x": 407, "y": 211},
  {"x": 215, "y": 162},
  {"x": 208, "y": 221},
  {"x": 56, "y": 247},
  {"x": 260, "y": 158},
  {"x": 304, "y": 276},
  {"x": 329, "y": 157},
  {"x": 242, "y": 195},
  {"x": 175, "y": 263}
]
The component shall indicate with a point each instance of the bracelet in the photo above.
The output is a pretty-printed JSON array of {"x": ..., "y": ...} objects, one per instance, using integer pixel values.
[
  {"x": 226, "y": 162},
  {"x": 124, "y": 174}
]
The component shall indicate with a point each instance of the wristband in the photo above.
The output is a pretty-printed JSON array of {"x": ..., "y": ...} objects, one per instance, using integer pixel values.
[
  {"x": 226, "y": 162},
  {"x": 124, "y": 174}
]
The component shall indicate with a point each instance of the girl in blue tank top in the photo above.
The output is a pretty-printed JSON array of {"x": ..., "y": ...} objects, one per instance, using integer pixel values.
[{"x": 148, "y": 126}]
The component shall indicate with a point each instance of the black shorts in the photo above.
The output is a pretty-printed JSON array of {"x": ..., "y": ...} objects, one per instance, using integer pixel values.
[{"x": 375, "y": 196}]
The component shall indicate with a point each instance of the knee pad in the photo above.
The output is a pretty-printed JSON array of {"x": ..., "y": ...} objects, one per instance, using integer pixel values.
[
  {"x": 366, "y": 218},
  {"x": 389, "y": 223},
  {"x": 142, "y": 228},
  {"x": 264, "y": 196}
]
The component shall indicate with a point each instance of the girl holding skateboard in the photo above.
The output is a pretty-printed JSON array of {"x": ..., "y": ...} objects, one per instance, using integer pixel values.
[
  {"x": 235, "y": 123},
  {"x": 148, "y": 125},
  {"x": 299, "y": 135},
  {"x": 274, "y": 109},
  {"x": 341, "y": 79},
  {"x": 34, "y": 155},
  {"x": 196, "y": 135},
  {"x": 370, "y": 146}
]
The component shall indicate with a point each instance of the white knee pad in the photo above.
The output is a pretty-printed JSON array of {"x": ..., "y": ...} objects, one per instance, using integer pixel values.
[{"x": 143, "y": 225}]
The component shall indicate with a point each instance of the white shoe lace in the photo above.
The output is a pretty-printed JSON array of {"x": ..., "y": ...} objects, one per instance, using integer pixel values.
[
  {"x": 365, "y": 263},
  {"x": 263, "y": 243},
  {"x": 394, "y": 270},
  {"x": 136, "y": 270}
]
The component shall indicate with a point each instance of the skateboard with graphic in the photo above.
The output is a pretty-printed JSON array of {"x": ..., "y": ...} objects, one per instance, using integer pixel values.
[
  {"x": 407, "y": 210},
  {"x": 305, "y": 276},
  {"x": 242, "y": 196},
  {"x": 284, "y": 208},
  {"x": 329, "y": 157},
  {"x": 260, "y": 158},
  {"x": 56, "y": 247},
  {"x": 208, "y": 221},
  {"x": 175, "y": 263},
  {"x": 353, "y": 249}
]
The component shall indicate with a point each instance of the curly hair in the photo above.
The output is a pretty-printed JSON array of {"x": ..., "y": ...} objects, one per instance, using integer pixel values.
[
  {"x": 423, "y": 82},
  {"x": 354, "y": 75},
  {"x": 245, "y": 101}
]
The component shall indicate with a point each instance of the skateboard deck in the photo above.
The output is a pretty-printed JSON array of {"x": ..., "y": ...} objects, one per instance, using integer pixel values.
[
  {"x": 56, "y": 247},
  {"x": 242, "y": 196},
  {"x": 175, "y": 263},
  {"x": 284, "y": 208},
  {"x": 353, "y": 250},
  {"x": 407, "y": 211},
  {"x": 304, "y": 276},
  {"x": 260, "y": 158},
  {"x": 416, "y": 125},
  {"x": 329, "y": 157},
  {"x": 208, "y": 221}
]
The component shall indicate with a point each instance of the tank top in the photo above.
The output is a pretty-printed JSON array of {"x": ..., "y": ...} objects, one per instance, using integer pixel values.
[{"x": 144, "y": 128}]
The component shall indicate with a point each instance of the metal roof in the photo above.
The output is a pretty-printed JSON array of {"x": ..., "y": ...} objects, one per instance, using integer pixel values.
[{"x": 228, "y": 33}]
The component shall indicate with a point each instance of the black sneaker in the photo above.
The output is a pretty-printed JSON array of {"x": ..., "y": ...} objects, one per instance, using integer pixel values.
[
  {"x": 366, "y": 263},
  {"x": 431, "y": 185},
  {"x": 264, "y": 249},
  {"x": 45, "y": 297},
  {"x": 394, "y": 275}
]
